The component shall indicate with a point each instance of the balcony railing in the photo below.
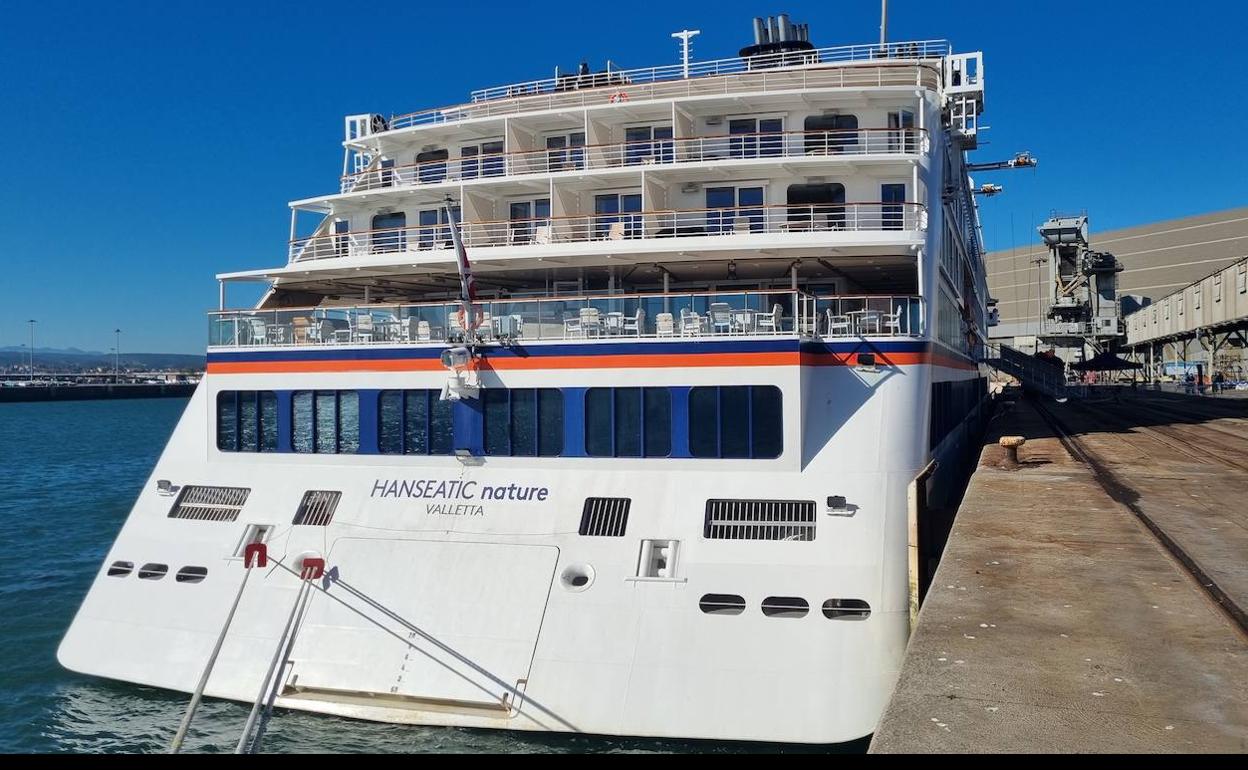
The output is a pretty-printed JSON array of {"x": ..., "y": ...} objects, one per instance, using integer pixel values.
[
  {"x": 660, "y": 152},
  {"x": 613, "y": 317},
  {"x": 775, "y": 72},
  {"x": 736, "y": 222}
]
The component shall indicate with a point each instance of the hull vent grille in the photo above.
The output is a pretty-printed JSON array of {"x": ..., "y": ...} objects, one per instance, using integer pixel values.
[
  {"x": 760, "y": 520},
  {"x": 605, "y": 516},
  {"x": 209, "y": 503},
  {"x": 317, "y": 508}
]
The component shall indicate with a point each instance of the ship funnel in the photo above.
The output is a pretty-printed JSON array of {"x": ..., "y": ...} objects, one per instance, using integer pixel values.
[{"x": 774, "y": 38}]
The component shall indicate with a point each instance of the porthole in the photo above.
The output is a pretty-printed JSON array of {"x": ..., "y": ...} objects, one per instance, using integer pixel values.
[
  {"x": 785, "y": 607},
  {"x": 722, "y": 604},
  {"x": 151, "y": 571},
  {"x": 191, "y": 575},
  {"x": 120, "y": 568},
  {"x": 577, "y": 577},
  {"x": 846, "y": 609}
]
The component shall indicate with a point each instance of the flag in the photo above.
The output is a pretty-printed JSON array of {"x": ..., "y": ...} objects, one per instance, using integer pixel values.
[{"x": 467, "y": 285}]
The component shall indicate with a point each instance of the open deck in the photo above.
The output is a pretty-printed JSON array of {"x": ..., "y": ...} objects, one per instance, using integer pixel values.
[{"x": 707, "y": 315}]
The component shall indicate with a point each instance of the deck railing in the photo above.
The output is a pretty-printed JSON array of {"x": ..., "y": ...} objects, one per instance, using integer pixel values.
[
  {"x": 733, "y": 222},
  {"x": 900, "y": 65},
  {"x": 602, "y": 318},
  {"x": 651, "y": 152}
]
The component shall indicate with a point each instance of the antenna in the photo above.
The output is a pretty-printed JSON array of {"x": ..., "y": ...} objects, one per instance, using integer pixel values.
[
  {"x": 883, "y": 23},
  {"x": 685, "y": 35}
]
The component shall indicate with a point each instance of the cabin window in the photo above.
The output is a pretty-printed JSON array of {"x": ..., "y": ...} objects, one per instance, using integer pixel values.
[
  {"x": 648, "y": 144},
  {"x": 737, "y": 215},
  {"x": 746, "y": 137},
  {"x": 523, "y": 422},
  {"x": 628, "y": 422},
  {"x": 484, "y": 159},
  {"x": 434, "y": 229},
  {"x": 899, "y": 139},
  {"x": 566, "y": 152},
  {"x": 431, "y": 166},
  {"x": 247, "y": 421},
  {"x": 617, "y": 215},
  {"x": 326, "y": 421},
  {"x": 831, "y": 134},
  {"x": 816, "y": 206},
  {"x": 892, "y": 210},
  {"x": 388, "y": 234},
  {"x": 414, "y": 422},
  {"x": 743, "y": 421},
  {"x": 522, "y": 216}
]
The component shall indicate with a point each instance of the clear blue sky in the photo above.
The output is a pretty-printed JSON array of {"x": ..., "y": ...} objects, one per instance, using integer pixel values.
[{"x": 154, "y": 144}]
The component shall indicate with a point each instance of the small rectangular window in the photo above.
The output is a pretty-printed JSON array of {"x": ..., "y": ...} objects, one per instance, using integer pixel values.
[
  {"x": 523, "y": 422},
  {"x": 736, "y": 422},
  {"x": 247, "y": 421},
  {"x": 325, "y": 421},
  {"x": 414, "y": 422},
  {"x": 628, "y": 422}
]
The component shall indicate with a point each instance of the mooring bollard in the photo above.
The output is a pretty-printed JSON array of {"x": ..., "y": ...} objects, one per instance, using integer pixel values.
[{"x": 1011, "y": 445}]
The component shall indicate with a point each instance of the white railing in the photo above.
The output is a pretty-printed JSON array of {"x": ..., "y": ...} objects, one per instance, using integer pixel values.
[
  {"x": 614, "y": 317},
  {"x": 741, "y": 221},
  {"x": 922, "y": 49},
  {"x": 794, "y": 71},
  {"x": 652, "y": 152}
]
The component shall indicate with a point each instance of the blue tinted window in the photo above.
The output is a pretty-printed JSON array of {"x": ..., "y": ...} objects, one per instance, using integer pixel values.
[
  {"x": 247, "y": 421},
  {"x": 658, "y": 422},
  {"x": 325, "y": 421},
  {"x": 523, "y": 422},
  {"x": 628, "y": 422},
  {"x": 414, "y": 422},
  {"x": 736, "y": 422}
]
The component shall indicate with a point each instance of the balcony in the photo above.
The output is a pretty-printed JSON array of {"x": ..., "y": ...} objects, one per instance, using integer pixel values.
[
  {"x": 717, "y": 223},
  {"x": 644, "y": 154},
  {"x": 872, "y": 66},
  {"x": 616, "y": 317}
]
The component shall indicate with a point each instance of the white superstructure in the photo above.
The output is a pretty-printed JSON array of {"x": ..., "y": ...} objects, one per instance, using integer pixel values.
[{"x": 725, "y": 314}]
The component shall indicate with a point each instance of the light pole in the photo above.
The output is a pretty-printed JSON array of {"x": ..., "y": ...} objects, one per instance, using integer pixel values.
[
  {"x": 32, "y": 323},
  {"x": 116, "y": 355}
]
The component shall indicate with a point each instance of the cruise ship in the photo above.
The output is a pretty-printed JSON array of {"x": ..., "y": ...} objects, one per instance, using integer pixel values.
[{"x": 604, "y": 403}]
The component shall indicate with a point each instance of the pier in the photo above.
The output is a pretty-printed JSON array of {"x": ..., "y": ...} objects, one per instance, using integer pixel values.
[
  {"x": 94, "y": 391},
  {"x": 1092, "y": 594}
]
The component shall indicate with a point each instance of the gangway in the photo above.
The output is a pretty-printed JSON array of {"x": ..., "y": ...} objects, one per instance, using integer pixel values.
[{"x": 1038, "y": 375}]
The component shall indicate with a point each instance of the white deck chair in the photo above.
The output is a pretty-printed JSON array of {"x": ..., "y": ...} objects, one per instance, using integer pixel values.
[
  {"x": 364, "y": 328},
  {"x": 721, "y": 317},
  {"x": 616, "y": 231},
  {"x": 690, "y": 323},
  {"x": 633, "y": 325},
  {"x": 769, "y": 322},
  {"x": 839, "y": 325},
  {"x": 423, "y": 332},
  {"x": 892, "y": 322},
  {"x": 665, "y": 325},
  {"x": 572, "y": 327},
  {"x": 259, "y": 331},
  {"x": 591, "y": 321}
]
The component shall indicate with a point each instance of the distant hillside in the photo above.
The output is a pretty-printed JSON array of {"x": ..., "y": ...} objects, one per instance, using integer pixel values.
[{"x": 74, "y": 359}]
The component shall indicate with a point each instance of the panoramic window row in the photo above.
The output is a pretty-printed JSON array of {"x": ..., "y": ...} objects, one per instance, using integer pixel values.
[{"x": 743, "y": 422}]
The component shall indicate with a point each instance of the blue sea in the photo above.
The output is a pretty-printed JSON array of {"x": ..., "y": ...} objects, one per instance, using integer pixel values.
[{"x": 69, "y": 472}]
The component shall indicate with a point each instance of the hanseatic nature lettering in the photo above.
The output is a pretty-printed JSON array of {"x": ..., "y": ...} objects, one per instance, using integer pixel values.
[{"x": 456, "y": 490}]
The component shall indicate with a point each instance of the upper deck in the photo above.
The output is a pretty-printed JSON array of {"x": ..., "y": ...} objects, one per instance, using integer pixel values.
[{"x": 864, "y": 66}]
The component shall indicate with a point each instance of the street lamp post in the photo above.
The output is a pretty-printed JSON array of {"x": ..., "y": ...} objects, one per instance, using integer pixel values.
[
  {"x": 32, "y": 323},
  {"x": 116, "y": 355}
]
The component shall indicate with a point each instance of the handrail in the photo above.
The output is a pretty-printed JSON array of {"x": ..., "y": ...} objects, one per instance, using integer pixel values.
[
  {"x": 920, "y": 49},
  {"x": 776, "y": 312},
  {"x": 665, "y": 151},
  {"x": 576, "y": 228},
  {"x": 802, "y": 77}
]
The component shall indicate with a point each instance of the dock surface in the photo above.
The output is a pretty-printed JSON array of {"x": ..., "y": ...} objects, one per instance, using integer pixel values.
[{"x": 1066, "y": 615}]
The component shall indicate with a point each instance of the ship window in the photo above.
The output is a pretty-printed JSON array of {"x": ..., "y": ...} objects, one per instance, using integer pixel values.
[
  {"x": 736, "y": 422},
  {"x": 434, "y": 231},
  {"x": 608, "y": 210},
  {"x": 732, "y": 199},
  {"x": 560, "y": 157},
  {"x": 745, "y": 142},
  {"x": 388, "y": 234},
  {"x": 846, "y": 609},
  {"x": 326, "y": 421},
  {"x": 816, "y": 206},
  {"x": 191, "y": 575},
  {"x": 829, "y": 134},
  {"x": 120, "y": 568},
  {"x": 722, "y": 604},
  {"x": 523, "y": 422},
  {"x": 247, "y": 421},
  {"x": 431, "y": 165},
  {"x": 892, "y": 196},
  {"x": 785, "y": 607},
  {"x": 628, "y": 422},
  {"x": 153, "y": 571},
  {"x": 645, "y": 144},
  {"x": 415, "y": 422}
]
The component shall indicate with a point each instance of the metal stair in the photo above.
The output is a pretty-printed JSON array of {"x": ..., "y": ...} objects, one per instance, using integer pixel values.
[{"x": 1035, "y": 374}]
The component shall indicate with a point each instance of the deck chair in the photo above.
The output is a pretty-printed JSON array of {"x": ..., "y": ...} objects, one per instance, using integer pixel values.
[
  {"x": 665, "y": 325},
  {"x": 690, "y": 323},
  {"x": 720, "y": 317},
  {"x": 839, "y": 325},
  {"x": 769, "y": 322},
  {"x": 633, "y": 325}
]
